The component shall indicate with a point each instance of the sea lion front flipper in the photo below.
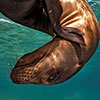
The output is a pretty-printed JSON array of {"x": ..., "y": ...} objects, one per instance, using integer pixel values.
[
  {"x": 71, "y": 34},
  {"x": 54, "y": 11}
]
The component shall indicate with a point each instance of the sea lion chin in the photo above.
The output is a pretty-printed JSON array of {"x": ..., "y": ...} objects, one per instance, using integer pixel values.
[{"x": 75, "y": 29}]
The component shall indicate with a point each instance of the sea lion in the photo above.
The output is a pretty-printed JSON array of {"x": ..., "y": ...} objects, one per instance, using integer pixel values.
[{"x": 75, "y": 29}]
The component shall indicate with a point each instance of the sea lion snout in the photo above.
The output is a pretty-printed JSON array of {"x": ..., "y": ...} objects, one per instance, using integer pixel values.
[{"x": 30, "y": 76}]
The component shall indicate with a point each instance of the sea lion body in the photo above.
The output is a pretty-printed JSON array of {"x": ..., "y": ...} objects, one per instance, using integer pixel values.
[
  {"x": 78, "y": 14},
  {"x": 60, "y": 59}
]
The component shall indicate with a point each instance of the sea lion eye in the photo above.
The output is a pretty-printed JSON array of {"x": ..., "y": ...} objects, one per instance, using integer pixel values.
[{"x": 52, "y": 77}]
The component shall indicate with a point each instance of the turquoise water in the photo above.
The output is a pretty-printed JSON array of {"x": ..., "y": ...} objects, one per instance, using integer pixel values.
[{"x": 17, "y": 40}]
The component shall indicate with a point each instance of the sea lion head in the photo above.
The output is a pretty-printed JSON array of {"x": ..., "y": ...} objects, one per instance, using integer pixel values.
[
  {"x": 43, "y": 73},
  {"x": 33, "y": 75},
  {"x": 51, "y": 64}
]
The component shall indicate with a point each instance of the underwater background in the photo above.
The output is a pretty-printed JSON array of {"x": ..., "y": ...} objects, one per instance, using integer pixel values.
[{"x": 17, "y": 40}]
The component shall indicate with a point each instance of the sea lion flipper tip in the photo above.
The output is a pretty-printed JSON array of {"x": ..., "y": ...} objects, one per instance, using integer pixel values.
[{"x": 73, "y": 30}]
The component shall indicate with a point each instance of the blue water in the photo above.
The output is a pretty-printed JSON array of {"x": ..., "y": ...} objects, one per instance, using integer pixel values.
[{"x": 17, "y": 40}]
